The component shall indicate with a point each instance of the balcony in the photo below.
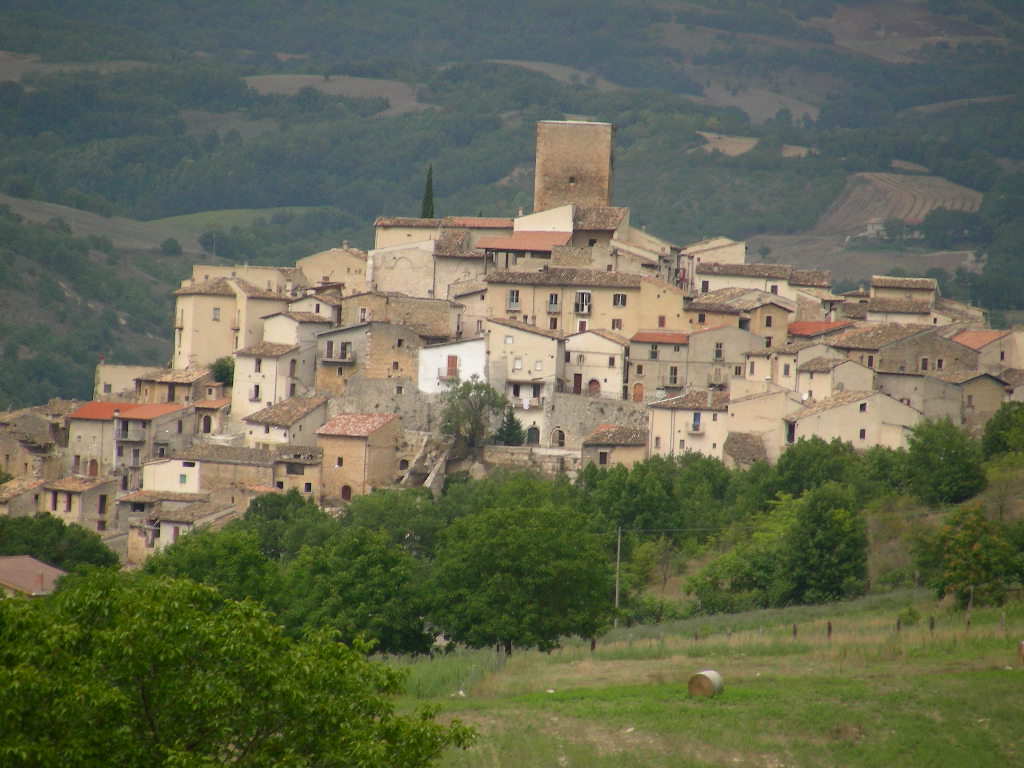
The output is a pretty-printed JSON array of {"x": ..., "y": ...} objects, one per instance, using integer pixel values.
[
  {"x": 552, "y": 309},
  {"x": 447, "y": 373},
  {"x": 696, "y": 428},
  {"x": 512, "y": 306},
  {"x": 525, "y": 403},
  {"x": 671, "y": 381},
  {"x": 339, "y": 356},
  {"x": 132, "y": 435},
  {"x": 581, "y": 307}
]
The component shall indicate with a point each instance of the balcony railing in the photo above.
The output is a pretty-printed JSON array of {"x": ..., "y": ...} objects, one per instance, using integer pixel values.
[
  {"x": 447, "y": 373},
  {"x": 532, "y": 402},
  {"x": 513, "y": 306},
  {"x": 671, "y": 381},
  {"x": 552, "y": 308},
  {"x": 695, "y": 429},
  {"x": 581, "y": 307},
  {"x": 340, "y": 356},
  {"x": 136, "y": 435}
]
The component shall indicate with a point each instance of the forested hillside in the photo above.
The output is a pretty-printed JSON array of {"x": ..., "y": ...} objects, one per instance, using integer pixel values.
[{"x": 152, "y": 110}]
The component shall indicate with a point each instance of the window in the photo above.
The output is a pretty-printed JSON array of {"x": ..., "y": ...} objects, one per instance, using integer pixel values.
[
  {"x": 339, "y": 461},
  {"x": 106, "y": 389},
  {"x": 751, "y": 368},
  {"x": 661, "y": 321},
  {"x": 657, "y": 442},
  {"x": 363, "y": 315},
  {"x": 774, "y": 289},
  {"x": 182, "y": 479},
  {"x": 719, "y": 350},
  {"x": 572, "y": 179},
  {"x": 517, "y": 364},
  {"x": 639, "y": 370},
  {"x": 767, "y": 341},
  {"x": 714, "y": 417},
  {"x": 703, "y": 286},
  {"x": 510, "y": 339},
  {"x": 552, "y": 302},
  {"x": 582, "y": 304},
  {"x": 924, "y": 363},
  {"x": 785, "y": 369},
  {"x": 394, "y": 365},
  {"x": 701, "y": 318},
  {"x": 863, "y": 407},
  {"x": 767, "y": 321},
  {"x": 307, "y": 487},
  {"x": 682, "y": 444},
  {"x": 257, "y": 365},
  {"x": 513, "y": 298},
  {"x": 970, "y": 401},
  {"x": 602, "y": 458},
  {"x": 618, "y": 300},
  {"x": 611, "y": 362},
  {"x": 266, "y": 429},
  {"x": 654, "y": 352},
  {"x": 553, "y": 323},
  {"x": 616, "y": 324},
  {"x": 673, "y": 375},
  {"x": 538, "y": 366},
  {"x": 255, "y": 392},
  {"x": 871, "y": 361},
  {"x": 938, "y": 364},
  {"x": 737, "y": 370},
  {"x": 863, "y": 434},
  {"x": 216, "y": 313},
  {"x": 399, "y": 389},
  {"x": 592, "y": 242},
  {"x": 479, "y": 326},
  {"x": 291, "y": 389},
  {"x": 399, "y": 342}
]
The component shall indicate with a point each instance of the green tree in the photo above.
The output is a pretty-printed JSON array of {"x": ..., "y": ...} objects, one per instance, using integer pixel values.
[
  {"x": 47, "y": 538},
  {"x": 521, "y": 576},
  {"x": 358, "y": 584},
  {"x": 470, "y": 408},
  {"x": 970, "y": 557},
  {"x": 409, "y": 516},
  {"x": 223, "y": 369},
  {"x": 825, "y": 551},
  {"x": 944, "y": 462},
  {"x": 511, "y": 431},
  {"x": 140, "y": 671},
  {"x": 285, "y": 522},
  {"x": 809, "y": 463},
  {"x": 170, "y": 247},
  {"x": 1004, "y": 431},
  {"x": 427, "y": 204}
]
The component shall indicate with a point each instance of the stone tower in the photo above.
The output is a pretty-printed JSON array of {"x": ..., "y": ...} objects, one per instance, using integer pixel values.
[{"x": 574, "y": 164}]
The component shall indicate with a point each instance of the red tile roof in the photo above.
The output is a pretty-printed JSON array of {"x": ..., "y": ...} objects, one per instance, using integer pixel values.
[
  {"x": 525, "y": 241},
  {"x": 816, "y": 327},
  {"x": 978, "y": 339},
  {"x": 151, "y": 411},
  {"x": 355, "y": 424},
  {"x": 217, "y": 404},
  {"x": 27, "y": 575},
  {"x": 661, "y": 337},
  {"x": 98, "y": 411}
]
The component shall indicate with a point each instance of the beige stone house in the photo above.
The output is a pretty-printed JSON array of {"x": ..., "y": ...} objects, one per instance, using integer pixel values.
[
  {"x": 895, "y": 348},
  {"x": 435, "y": 320},
  {"x": 84, "y": 501},
  {"x": 816, "y": 330},
  {"x": 967, "y": 398},
  {"x": 213, "y": 416},
  {"x": 612, "y": 444},
  {"x": 864, "y": 419},
  {"x": 203, "y": 468},
  {"x": 657, "y": 364},
  {"x": 696, "y": 421},
  {"x": 146, "y": 432},
  {"x": 20, "y": 496},
  {"x": 267, "y": 373},
  {"x": 372, "y": 350},
  {"x": 32, "y": 440},
  {"x": 759, "y": 312},
  {"x": 359, "y": 453},
  {"x": 213, "y": 318},
  {"x": 595, "y": 364},
  {"x": 344, "y": 267},
  {"x": 526, "y": 364},
  {"x": 997, "y": 350},
  {"x": 117, "y": 382},
  {"x": 90, "y": 449},
  {"x": 171, "y": 386},
  {"x": 164, "y": 523},
  {"x": 291, "y": 422},
  {"x": 821, "y": 377},
  {"x": 758, "y": 409}
]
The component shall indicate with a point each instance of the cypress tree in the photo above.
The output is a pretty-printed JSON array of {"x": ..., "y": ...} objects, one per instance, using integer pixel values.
[{"x": 427, "y": 207}]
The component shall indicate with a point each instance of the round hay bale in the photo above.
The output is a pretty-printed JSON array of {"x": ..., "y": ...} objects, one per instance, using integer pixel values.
[{"x": 706, "y": 683}]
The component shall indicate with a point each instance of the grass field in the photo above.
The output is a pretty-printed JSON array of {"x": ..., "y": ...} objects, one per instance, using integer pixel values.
[
  {"x": 198, "y": 223},
  {"x": 867, "y": 696}
]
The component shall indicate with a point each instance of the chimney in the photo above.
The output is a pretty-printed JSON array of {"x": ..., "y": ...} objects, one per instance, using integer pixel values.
[
  {"x": 711, "y": 397},
  {"x": 39, "y": 576},
  {"x": 344, "y": 244}
]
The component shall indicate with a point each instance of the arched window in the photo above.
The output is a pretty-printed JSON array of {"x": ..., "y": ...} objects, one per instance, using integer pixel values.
[
  {"x": 207, "y": 424},
  {"x": 346, "y": 492},
  {"x": 558, "y": 439}
]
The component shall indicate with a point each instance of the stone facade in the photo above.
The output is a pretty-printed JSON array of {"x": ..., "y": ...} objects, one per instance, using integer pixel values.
[{"x": 573, "y": 164}]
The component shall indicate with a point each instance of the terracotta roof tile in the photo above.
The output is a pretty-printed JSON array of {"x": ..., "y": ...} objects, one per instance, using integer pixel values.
[
  {"x": 454, "y": 242},
  {"x": 526, "y": 327},
  {"x": 355, "y": 424},
  {"x": 877, "y": 336},
  {"x": 735, "y": 299},
  {"x": 776, "y": 271},
  {"x": 899, "y": 306},
  {"x": 811, "y": 278},
  {"x": 77, "y": 483},
  {"x": 216, "y": 405},
  {"x": 613, "y": 434},
  {"x": 287, "y": 412},
  {"x": 16, "y": 487},
  {"x": 816, "y": 327},
  {"x": 524, "y": 241},
  {"x": 979, "y": 339},
  {"x": 172, "y": 376},
  {"x": 301, "y": 317},
  {"x": 598, "y": 217},
  {"x": 910, "y": 283},
  {"x": 661, "y": 337},
  {"x": 697, "y": 400},
  {"x": 28, "y": 576},
  {"x": 745, "y": 447},
  {"x": 405, "y": 221},
  {"x": 567, "y": 276},
  {"x": 822, "y": 364},
  {"x": 100, "y": 411},
  {"x": 836, "y": 401},
  {"x": 257, "y": 457},
  {"x": 1013, "y": 376},
  {"x": 221, "y": 286},
  {"x": 267, "y": 349},
  {"x": 151, "y": 497},
  {"x": 150, "y": 411},
  {"x": 477, "y": 222}
]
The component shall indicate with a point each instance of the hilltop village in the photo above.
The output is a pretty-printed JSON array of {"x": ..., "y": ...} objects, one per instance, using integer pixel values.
[{"x": 610, "y": 344}]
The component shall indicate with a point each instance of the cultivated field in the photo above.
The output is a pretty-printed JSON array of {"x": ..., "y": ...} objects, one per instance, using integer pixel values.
[
  {"x": 738, "y": 145},
  {"x": 401, "y": 96},
  {"x": 867, "y": 696},
  {"x": 871, "y": 196}
]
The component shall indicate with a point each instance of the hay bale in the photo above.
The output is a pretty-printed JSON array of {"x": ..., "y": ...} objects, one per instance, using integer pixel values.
[{"x": 706, "y": 683}]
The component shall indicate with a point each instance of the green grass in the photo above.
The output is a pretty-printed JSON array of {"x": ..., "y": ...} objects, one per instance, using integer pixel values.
[
  {"x": 869, "y": 696},
  {"x": 196, "y": 224}
]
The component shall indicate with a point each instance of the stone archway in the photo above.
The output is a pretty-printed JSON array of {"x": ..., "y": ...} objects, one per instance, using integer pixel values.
[{"x": 593, "y": 387}]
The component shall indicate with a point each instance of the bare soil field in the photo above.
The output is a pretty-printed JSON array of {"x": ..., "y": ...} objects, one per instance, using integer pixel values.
[
  {"x": 14, "y": 66},
  {"x": 872, "y": 196},
  {"x": 893, "y": 30},
  {"x": 760, "y": 104},
  {"x": 401, "y": 96},
  {"x": 123, "y": 233},
  {"x": 738, "y": 145}
]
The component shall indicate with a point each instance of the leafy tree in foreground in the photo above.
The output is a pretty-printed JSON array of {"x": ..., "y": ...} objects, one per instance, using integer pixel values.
[
  {"x": 521, "y": 576},
  {"x": 825, "y": 551},
  {"x": 1004, "y": 432},
  {"x": 469, "y": 409},
  {"x": 223, "y": 369},
  {"x": 139, "y": 671},
  {"x": 47, "y": 538},
  {"x": 944, "y": 463}
]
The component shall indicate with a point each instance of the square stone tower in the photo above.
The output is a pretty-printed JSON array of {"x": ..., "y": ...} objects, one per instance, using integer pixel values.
[{"x": 574, "y": 164}]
